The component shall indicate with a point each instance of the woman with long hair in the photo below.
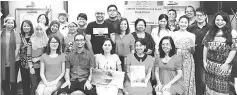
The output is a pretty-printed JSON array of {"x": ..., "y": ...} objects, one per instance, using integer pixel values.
[
  {"x": 218, "y": 53},
  {"x": 161, "y": 31},
  {"x": 52, "y": 68},
  {"x": 27, "y": 30},
  {"x": 185, "y": 44}
]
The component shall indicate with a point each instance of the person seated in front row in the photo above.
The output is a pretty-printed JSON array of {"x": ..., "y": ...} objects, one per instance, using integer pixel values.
[{"x": 79, "y": 64}]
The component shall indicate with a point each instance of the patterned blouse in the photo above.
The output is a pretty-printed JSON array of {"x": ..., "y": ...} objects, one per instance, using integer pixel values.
[{"x": 26, "y": 52}]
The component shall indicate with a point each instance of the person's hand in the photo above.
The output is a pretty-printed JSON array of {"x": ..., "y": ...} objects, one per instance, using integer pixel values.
[
  {"x": 158, "y": 87},
  {"x": 225, "y": 67},
  {"x": 126, "y": 93},
  {"x": 35, "y": 59},
  {"x": 32, "y": 71},
  {"x": 65, "y": 84},
  {"x": 149, "y": 51},
  {"x": 88, "y": 85},
  {"x": 166, "y": 87}
]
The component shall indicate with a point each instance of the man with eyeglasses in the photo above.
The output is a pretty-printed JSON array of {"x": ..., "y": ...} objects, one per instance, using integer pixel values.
[
  {"x": 97, "y": 31},
  {"x": 112, "y": 11},
  {"x": 199, "y": 28},
  {"x": 79, "y": 64}
]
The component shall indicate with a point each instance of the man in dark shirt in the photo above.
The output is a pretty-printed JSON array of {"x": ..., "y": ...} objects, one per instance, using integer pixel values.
[
  {"x": 112, "y": 11},
  {"x": 78, "y": 66},
  {"x": 97, "y": 31},
  {"x": 199, "y": 28}
]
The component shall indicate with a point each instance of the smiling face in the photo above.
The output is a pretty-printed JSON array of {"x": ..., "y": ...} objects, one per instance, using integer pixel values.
[
  {"x": 54, "y": 28},
  {"x": 26, "y": 27},
  {"x": 79, "y": 41},
  {"x": 10, "y": 24},
  {"x": 183, "y": 23},
  {"x": 81, "y": 21},
  {"x": 112, "y": 12},
  {"x": 200, "y": 17},
  {"x": 171, "y": 15},
  {"x": 62, "y": 18},
  {"x": 219, "y": 21},
  {"x": 107, "y": 46},
  {"x": 42, "y": 19},
  {"x": 166, "y": 46},
  {"x": 140, "y": 26},
  {"x": 123, "y": 25},
  {"x": 139, "y": 47},
  {"x": 189, "y": 12},
  {"x": 39, "y": 31},
  {"x": 163, "y": 22},
  {"x": 99, "y": 15},
  {"x": 72, "y": 27},
  {"x": 54, "y": 44}
]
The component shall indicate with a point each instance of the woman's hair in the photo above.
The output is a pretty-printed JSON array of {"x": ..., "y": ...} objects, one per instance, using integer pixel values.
[
  {"x": 31, "y": 27},
  {"x": 226, "y": 29},
  {"x": 46, "y": 18},
  {"x": 48, "y": 31},
  {"x": 184, "y": 16},
  {"x": 142, "y": 42},
  {"x": 172, "y": 51},
  {"x": 128, "y": 29},
  {"x": 112, "y": 43},
  {"x": 48, "y": 49},
  {"x": 167, "y": 19},
  {"x": 4, "y": 26},
  {"x": 192, "y": 8},
  {"x": 74, "y": 23},
  {"x": 138, "y": 20}
]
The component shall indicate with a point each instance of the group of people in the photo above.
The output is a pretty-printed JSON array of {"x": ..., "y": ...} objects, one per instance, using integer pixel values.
[{"x": 184, "y": 57}]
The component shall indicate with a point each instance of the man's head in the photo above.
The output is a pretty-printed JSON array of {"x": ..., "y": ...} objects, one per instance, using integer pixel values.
[
  {"x": 82, "y": 18},
  {"x": 79, "y": 40},
  {"x": 112, "y": 11},
  {"x": 99, "y": 14},
  {"x": 62, "y": 16},
  {"x": 201, "y": 15}
]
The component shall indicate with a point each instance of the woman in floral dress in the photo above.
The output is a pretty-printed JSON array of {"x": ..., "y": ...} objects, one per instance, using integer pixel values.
[
  {"x": 218, "y": 53},
  {"x": 185, "y": 42}
]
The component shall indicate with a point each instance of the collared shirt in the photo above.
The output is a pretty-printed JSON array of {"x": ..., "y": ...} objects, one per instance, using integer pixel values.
[
  {"x": 79, "y": 64},
  {"x": 199, "y": 33}
]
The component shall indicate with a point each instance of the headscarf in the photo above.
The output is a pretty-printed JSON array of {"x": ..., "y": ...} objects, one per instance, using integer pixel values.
[{"x": 39, "y": 39}]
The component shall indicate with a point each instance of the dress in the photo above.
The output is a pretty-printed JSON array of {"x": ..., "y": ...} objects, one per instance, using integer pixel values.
[
  {"x": 183, "y": 42},
  {"x": 148, "y": 62},
  {"x": 109, "y": 63},
  {"x": 168, "y": 71},
  {"x": 217, "y": 53}
]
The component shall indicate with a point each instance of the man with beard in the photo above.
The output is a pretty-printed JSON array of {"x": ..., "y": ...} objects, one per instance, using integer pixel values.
[
  {"x": 79, "y": 64},
  {"x": 97, "y": 31},
  {"x": 112, "y": 11},
  {"x": 199, "y": 28}
]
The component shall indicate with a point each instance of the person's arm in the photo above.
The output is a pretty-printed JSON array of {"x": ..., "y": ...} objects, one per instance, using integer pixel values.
[
  {"x": 18, "y": 43},
  {"x": 132, "y": 41},
  {"x": 157, "y": 75},
  {"x": 177, "y": 77},
  {"x": 42, "y": 71},
  {"x": 118, "y": 64},
  {"x": 233, "y": 51},
  {"x": 88, "y": 39},
  {"x": 62, "y": 73},
  {"x": 148, "y": 75},
  {"x": 92, "y": 66}
]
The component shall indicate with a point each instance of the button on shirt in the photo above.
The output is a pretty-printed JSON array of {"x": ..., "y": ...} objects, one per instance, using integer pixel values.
[{"x": 79, "y": 64}]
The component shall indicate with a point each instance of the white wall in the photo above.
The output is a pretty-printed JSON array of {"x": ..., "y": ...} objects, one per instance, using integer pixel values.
[
  {"x": 55, "y": 5},
  {"x": 88, "y": 6}
]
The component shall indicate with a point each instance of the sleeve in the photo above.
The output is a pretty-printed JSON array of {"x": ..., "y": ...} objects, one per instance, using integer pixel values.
[
  {"x": 92, "y": 60},
  {"x": 89, "y": 29},
  {"x": 234, "y": 40},
  {"x": 18, "y": 37},
  {"x": 68, "y": 63},
  {"x": 157, "y": 61},
  {"x": 42, "y": 58},
  {"x": 178, "y": 63},
  {"x": 205, "y": 41}
]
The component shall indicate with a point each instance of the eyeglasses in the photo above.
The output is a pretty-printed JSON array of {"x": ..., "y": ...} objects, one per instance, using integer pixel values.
[
  {"x": 112, "y": 10},
  {"x": 199, "y": 15},
  {"x": 79, "y": 40},
  {"x": 99, "y": 13},
  {"x": 38, "y": 29},
  {"x": 53, "y": 42},
  {"x": 72, "y": 26}
]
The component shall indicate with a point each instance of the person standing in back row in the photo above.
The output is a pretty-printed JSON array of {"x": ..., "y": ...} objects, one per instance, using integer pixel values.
[
  {"x": 112, "y": 11},
  {"x": 97, "y": 31}
]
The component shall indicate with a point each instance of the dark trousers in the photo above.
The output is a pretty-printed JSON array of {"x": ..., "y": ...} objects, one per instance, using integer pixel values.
[
  {"x": 76, "y": 85},
  {"x": 8, "y": 87},
  {"x": 35, "y": 79},
  {"x": 199, "y": 76},
  {"x": 122, "y": 59},
  {"x": 25, "y": 76}
]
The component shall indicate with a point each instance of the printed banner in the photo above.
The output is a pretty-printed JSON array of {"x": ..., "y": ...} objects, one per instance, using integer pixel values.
[{"x": 107, "y": 78}]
